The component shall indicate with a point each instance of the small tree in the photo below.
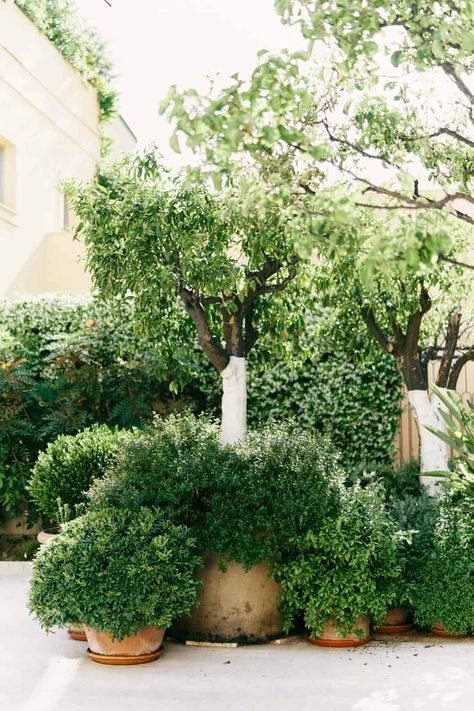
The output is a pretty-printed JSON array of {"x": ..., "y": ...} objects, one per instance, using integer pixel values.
[
  {"x": 152, "y": 236},
  {"x": 416, "y": 319}
]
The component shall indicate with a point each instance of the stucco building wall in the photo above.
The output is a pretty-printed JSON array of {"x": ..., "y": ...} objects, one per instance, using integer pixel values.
[{"x": 49, "y": 132}]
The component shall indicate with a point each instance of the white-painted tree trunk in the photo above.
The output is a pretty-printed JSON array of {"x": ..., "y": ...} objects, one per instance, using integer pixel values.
[
  {"x": 234, "y": 402},
  {"x": 433, "y": 451}
]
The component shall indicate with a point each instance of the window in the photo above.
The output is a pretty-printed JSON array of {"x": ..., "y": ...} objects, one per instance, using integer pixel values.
[
  {"x": 7, "y": 174},
  {"x": 3, "y": 177}
]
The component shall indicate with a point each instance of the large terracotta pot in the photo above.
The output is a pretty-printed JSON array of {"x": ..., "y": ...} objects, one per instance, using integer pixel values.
[
  {"x": 396, "y": 620},
  {"x": 331, "y": 637},
  {"x": 235, "y": 605},
  {"x": 145, "y": 646}
]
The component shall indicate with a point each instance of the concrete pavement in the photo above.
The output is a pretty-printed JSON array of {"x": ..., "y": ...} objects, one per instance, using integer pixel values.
[{"x": 40, "y": 672}]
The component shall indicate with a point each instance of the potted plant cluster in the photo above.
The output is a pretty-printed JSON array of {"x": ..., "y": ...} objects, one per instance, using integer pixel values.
[
  {"x": 344, "y": 575},
  {"x": 125, "y": 576},
  {"x": 243, "y": 505}
]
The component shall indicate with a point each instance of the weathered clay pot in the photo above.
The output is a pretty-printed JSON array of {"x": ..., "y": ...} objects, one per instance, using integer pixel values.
[
  {"x": 440, "y": 630},
  {"x": 47, "y": 535},
  {"x": 235, "y": 605},
  {"x": 396, "y": 620},
  {"x": 145, "y": 646},
  {"x": 331, "y": 637},
  {"x": 77, "y": 633}
]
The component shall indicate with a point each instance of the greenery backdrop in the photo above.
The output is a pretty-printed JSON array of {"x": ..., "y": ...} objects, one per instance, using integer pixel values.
[{"x": 66, "y": 363}]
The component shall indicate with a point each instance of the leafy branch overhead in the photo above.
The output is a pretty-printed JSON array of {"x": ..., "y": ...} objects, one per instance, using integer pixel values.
[
  {"x": 338, "y": 127},
  {"x": 165, "y": 242}
]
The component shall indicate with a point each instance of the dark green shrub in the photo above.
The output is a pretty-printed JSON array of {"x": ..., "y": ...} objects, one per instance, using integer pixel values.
[
  {"x": 115, "y": 572},
  {"x": 285, "y": 482},
  {"x": 443, "y": 589},
  {"x": 244, "y": 503},
  {"x": 68, "y": 466},
  {"x": 348, "y": 568}
]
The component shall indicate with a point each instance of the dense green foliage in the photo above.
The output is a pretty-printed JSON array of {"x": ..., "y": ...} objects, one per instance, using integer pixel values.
[
  {"x": 66, "y": 364},
  {"x": 354, "y": 400},
  {"x": 348, "y": 568},
  {"x": 443, "y": 590},
  {"x": 242, "y": 503},
  {"x": 115, "y": 572},
  {"x": 78, "y": 43},
  {"x": 65, "y": 470}
]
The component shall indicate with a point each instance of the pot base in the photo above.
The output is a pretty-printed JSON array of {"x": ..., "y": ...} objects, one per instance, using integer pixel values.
[
  {"x": 445, "y": 633},
  {"x": 338, "y": 642},
  {"x": 393, "y": 629},
  {"x": 77, "y": 635},
  {"x": 125, "y": 659}
]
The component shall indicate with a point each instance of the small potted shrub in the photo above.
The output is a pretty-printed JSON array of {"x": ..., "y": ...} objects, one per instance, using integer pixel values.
[
  {"x": 65, "y": 470},
  {"x": 443, "y": 592},
  {"x": 124, "y": 577},
  {"x": 415, "y": 514},
  {"x": 346, "y": 573}
]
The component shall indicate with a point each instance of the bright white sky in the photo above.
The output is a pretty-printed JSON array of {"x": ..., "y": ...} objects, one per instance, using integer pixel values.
[{"x": 156, "y": 43}]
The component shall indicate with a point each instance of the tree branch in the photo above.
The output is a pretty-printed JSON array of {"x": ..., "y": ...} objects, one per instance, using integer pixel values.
[
  {"x": 375, "y": 329},
  {"x": 458, "y": 365},
  {"x": 451, "y": 342},
  {"x": 213, "y": 350}
]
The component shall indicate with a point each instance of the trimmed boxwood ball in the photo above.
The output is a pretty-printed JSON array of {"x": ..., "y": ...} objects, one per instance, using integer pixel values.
[
  {"x": 244, "y": 503},
  {"x": 65, "y": 470},
  {"x": 116, "y": 572},
  {"x": 443, "y": 590},
  {"x": 348, "y": 568}
]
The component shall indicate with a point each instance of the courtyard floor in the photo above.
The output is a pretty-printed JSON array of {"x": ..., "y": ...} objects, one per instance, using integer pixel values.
[{"x": 40, "y": 672}]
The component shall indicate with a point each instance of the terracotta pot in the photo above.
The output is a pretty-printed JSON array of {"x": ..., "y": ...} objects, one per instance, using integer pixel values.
[
  {"x": 235, "y": 605},
  {"x": 440, "y": 630},
  {"x": 47, "y": 535},
  {"x": 145, "y": 646},
  {"x": 331, "y": 637},
  {"x": 77, "y": 633},
  {"x": 396, "y": 620}
]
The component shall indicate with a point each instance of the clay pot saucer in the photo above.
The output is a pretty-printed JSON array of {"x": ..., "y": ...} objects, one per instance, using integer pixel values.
[
  {"x": 393, "y": 629},
  {"x": 338, "y": 642},
  {"x": 77, "y": 634},
  {"x": 125, "y": 659}
]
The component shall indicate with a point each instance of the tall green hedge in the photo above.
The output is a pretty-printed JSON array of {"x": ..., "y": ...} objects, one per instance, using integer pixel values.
[{"x": 67, "y": 363}]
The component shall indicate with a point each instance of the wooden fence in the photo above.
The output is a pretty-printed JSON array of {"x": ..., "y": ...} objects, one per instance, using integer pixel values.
[{"x": 407, "y": 442}]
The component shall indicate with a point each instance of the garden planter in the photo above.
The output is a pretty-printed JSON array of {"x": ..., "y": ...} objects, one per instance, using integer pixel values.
[
  {"x": 47, "y": 535},
  {"x": 440, "y": 630},
  {"x": 233, "y": 606},
  {"x": 331, "y": 637},
  {"x": 77, "y": 633},
  {"x": 396, "y": 620},
  {"x": 145, "y": 646}
]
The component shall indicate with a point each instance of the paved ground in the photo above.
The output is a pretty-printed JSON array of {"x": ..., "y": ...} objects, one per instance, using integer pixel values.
[{"x": 52, "y": 673}]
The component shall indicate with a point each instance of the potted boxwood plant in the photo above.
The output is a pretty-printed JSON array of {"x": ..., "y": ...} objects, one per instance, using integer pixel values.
[
  {"x": 345, "y": 573},
  {"x": 64, "y": 471},
  {"x": 443, "y": 591},
  {"x": 124, "y": 576}
]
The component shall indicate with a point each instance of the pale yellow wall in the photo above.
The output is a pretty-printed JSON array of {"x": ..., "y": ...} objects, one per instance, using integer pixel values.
[{"x": 49, "y": 122}]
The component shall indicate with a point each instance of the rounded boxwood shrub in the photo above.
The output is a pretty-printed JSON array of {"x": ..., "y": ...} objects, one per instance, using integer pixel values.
[
  {"x": 65, "y": 470},
  {"x": 348, "y": 568},
  {"x": 443, "y": 590},
  {"x": 115, "y": 572},
  {"x": 243, "y": 503}
]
